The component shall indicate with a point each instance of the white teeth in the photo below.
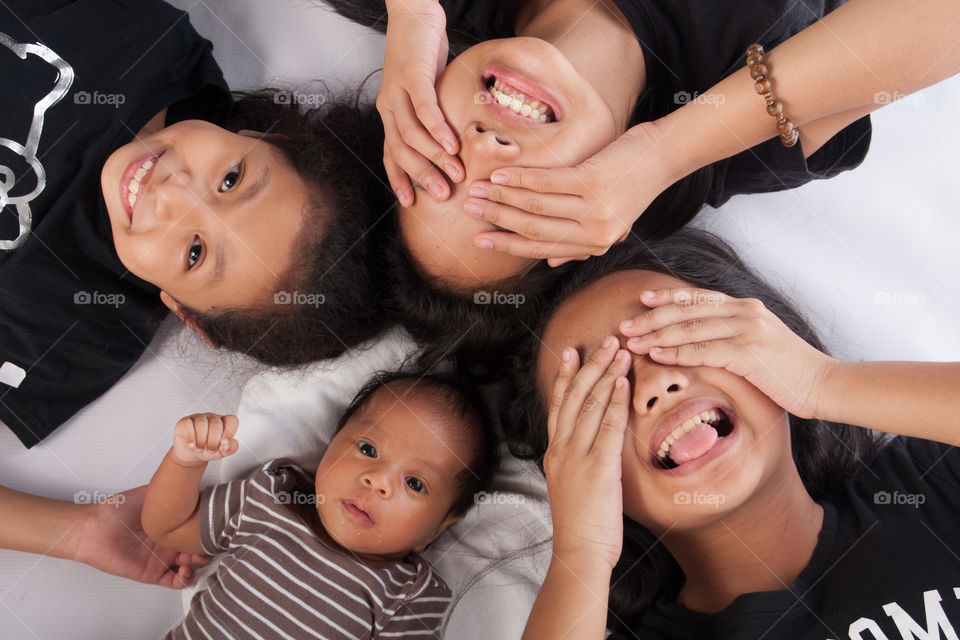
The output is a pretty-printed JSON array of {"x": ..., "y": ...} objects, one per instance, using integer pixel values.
[
  {"x": 704, "y": 416},
  {"x": 518, "y": 103},
  {"x": 134, "y": 186},
  {"x": 140, "y": 173},
  {"x": 147, "y": 165},
  {"x": 131, "y": 199}
]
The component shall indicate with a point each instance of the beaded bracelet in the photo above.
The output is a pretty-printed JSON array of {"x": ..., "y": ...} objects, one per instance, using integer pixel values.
[{"x": 758, "y": 71}]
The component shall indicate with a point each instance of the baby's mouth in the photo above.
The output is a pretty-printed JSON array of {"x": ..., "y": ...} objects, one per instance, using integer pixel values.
[{"x": 694, "y": 438}]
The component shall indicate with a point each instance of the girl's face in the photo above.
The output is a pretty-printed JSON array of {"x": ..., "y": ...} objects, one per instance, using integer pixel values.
[
  {"x": 440, "y": 234},
  {"x": 207, "y": 215},
  {"x": 754, "y": 447}
]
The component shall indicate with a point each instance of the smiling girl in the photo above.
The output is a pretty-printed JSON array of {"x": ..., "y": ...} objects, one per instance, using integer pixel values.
[
  {"x": 131, "y": 182},
  {"x": 704, "y": 478}
]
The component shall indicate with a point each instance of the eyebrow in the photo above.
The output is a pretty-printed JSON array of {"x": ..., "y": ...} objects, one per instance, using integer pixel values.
[{"x": 220, "y": 267}]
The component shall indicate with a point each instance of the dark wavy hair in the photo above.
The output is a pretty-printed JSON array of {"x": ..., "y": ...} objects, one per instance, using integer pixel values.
[
  {"x": 465, "y": 406},
  {"x": 336, "y": 149},
  {"x": 825, "y": 453}
]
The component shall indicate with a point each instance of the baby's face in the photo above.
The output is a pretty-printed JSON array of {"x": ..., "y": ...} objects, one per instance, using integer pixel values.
[{"x": 386, "y": 483}]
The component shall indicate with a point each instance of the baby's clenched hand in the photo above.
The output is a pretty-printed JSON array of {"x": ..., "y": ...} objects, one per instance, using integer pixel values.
[{"x": 203, "y": 437}]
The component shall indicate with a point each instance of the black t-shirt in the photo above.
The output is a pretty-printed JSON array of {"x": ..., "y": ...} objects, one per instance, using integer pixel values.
[
  {"x": 886, "y": 565},
  {"x": 77, "y": 80},
  {"x": 689, "y": 46}
]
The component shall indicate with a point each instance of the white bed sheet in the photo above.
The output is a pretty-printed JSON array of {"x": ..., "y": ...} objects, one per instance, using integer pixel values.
[{"x": 871, "y": 255}]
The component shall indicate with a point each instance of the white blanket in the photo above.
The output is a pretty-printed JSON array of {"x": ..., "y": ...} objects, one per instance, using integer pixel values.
[{"x": 871, "y": 255}]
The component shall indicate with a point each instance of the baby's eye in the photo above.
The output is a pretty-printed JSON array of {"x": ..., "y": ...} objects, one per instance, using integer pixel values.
[
  {"x": 195, "y": 252},
  {"x": 367, "y": 449},
  {"x": 231, "y": 179},
  {"x": 415, "y": 484}
]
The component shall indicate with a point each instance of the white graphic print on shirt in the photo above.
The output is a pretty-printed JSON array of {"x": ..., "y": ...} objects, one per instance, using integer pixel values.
[{"x": 27, "y": 150}]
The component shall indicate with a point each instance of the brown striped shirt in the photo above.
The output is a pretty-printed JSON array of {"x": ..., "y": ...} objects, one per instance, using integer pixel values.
[{"x": 278, "y": 580}]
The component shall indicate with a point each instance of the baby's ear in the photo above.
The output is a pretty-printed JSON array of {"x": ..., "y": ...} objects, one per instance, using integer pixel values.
[
  {"x": 186, "y": 317},
  {"x": 449, "y": 520}
]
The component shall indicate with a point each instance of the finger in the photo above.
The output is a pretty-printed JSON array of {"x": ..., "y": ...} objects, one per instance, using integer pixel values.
[
  {"x": 424, "y": 99},
  {"x": 609, "y": 441},
  {"x": 534, "y": 226},
  {"x": 569, "y": 364},
  {"x": 184, "y": 430},
  {"x": 413, "y": 163},
  {"x": 200, "y": 430},
  {"x": 595, "y": 405},
  {"x": 668, "y": 309},
  {"x": 571, "y": 207},
  {"x": 714, "y": 353},
  {"x": 557, "y": 262},
  {"x": 411, "y": 129},
  {"x": 689, "y": 331},
  {"x": 228, "y": 447},
  {"x": 399, "y": 181},
  {"x": 585, "y": 380},
  {"x": 214, "y": 433},
  {"x": 558, "y": 180},
  {"x": 230, "y": 425},
  {"x": 517, "y": 245}
]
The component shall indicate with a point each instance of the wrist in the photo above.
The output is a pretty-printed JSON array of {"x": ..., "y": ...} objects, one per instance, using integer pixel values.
[
  {"x": 670, "y": 156},
  {"x": 191, "y": 465}
]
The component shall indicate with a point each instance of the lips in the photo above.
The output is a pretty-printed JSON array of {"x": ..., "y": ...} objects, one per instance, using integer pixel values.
[
  {"x": 521, "y": 84},
  {"x": 129, "y": 177},
  {"x": 358, "y": 511},
  {"x": 669, "y": 423}
]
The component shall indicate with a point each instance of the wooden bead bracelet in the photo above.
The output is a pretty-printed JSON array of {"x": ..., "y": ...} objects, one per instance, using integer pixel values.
[{"x": 759, "y": 72}]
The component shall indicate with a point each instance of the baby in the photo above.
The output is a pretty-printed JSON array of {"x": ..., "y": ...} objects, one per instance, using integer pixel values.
[{"x": 334, "y": 557}]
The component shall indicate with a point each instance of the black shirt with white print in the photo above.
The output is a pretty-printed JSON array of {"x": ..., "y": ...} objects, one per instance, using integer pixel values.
[
  {"x": 886, "y": 565},
  {"x": 77, "y": 80}
]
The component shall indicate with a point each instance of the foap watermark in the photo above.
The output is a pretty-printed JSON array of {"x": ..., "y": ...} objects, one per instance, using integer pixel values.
[
  {"x": 697, "y": 498},
  {"x": 300, "y": 99},
  {"x": 496, "y": 297},
  {"x": 95, "y": 297},
  {"x": 299, "y": 497},
  {"x": 898, "y": 298},
  {"x": 298, "y": 297},
  {"x": 896, "y": 498},
  {"x": 685, "y": 298},
  {"x": 685, "y": 97},
  {"x": 496, "y": 497},
  {"x": 886, "y": 97},
  {"x": 96, "y": 497},
  {"x": 97, "y": 98}
]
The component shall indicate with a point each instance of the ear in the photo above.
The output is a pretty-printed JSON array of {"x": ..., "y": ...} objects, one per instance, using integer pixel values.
[
  {"x": 186, "y": 317},
  {"x": 449, "y": 520},
  {"x": 274, "y": 137}
]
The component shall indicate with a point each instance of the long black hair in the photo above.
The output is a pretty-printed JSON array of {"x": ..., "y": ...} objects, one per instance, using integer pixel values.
[
  {"x": 331, "y": 298},
  {"x": 825, "y": 453}
]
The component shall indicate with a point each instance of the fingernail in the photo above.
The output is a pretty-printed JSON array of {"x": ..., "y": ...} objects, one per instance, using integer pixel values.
[
  {"x": 473, "y": 208},
  {"x": 626, "y": 324},
  {"x": 435, "y": 189},
  {"x": 477, "y": 191},
  {"x": 565, "y": 356},
  {"x": 452, "y": 170},
  {"x": 657, "y": 350},
  {"x": 483, "y": 243},
  {"x": 634, "y": 342},
  {"x": 608, "y": 342},
  {"x": 648, "y": 294},
  {"x": 498, "y": 178},
  {"x": 619, "y": 383},
  {"x": 449, "y": 145}
]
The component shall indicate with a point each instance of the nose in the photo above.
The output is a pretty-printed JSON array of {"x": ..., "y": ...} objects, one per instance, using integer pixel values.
[
  {"x": 653, "y": 383},
  {"x": 175, "y": 197},
  {"x": 490, "y": 144},
  {"x": 377, "y": 479}
]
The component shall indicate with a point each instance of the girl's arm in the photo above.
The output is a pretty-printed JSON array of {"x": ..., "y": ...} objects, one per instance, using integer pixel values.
[
  {"x": 693, "y": 327},
  {"x": 170, "y": 511},
  {"x": 586, "y": 425},
  {"x": 104, "y": 534},
  {"x": 853, "y": 61}
]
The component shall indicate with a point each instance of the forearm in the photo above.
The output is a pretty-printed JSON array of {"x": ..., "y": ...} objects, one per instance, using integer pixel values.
[
  {"x": 572, "y": 603},
  {"x": 172, "y": 497},
  {"x": 40, "y": 525},
  {"x": 916, "y": 399},
  {"x": 393, "y": 5},
  {"x": 838, "y": 64}
]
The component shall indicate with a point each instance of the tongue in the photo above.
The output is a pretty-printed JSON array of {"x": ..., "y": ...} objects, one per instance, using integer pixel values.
[{"x": 693, "y": 444}]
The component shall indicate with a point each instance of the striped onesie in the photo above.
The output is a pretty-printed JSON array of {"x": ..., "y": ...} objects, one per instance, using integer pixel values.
[{"x": 278, "y": 580}]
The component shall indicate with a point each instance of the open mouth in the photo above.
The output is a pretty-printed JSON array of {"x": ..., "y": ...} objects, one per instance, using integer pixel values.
[
  {"x": 518, "y": 95},
  {"x": 358, "y": 512},
  {"x": 136, "y": 175},
  {"x": 521, "y": 104},
  {"x": 694, "y": 438}
]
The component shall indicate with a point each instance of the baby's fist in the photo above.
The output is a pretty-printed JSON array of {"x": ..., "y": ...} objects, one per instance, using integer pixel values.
[{"x": 203, "y": 437}]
